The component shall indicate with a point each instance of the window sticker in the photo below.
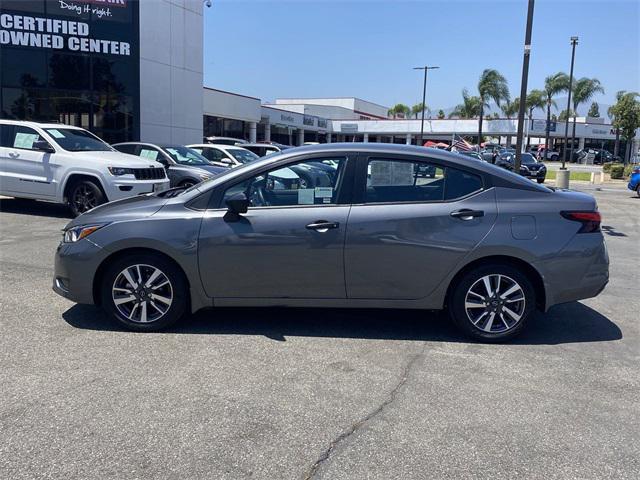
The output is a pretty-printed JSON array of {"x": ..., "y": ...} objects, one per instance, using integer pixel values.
[
  {"x": 55, "y": 133},
  {"x": 305, "y": 196},
  {"x": 150, "y": 154},
  {"x": 385, "y": 173},
  {"x": 324, "y": 192},
  {"x": 25, "y": 140}
]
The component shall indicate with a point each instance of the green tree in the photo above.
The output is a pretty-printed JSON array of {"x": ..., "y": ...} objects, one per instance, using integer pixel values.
[
  {"x": 399, "y": 110},
  {"x": 553, "y": 85},
  {"x": 440, "y": 114},
  {"x": 510, "y": 109},
  {"x": 594, "y": 110},
  {"x": 564, "y": 115},
  {"x": 469, "y": 108},
  {"x": 583, "y": 90},
  {"x": 417, "y": 109},
  {"x": 536, "y": 99},
  {"x": 626, "y": 117},
  {"x": 491, "y": 86}
]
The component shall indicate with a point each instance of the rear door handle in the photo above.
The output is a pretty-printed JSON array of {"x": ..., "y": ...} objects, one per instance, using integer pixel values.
[
  {"x": 322, "y": 226},
  {"x": 466, "y": 214},
  {"x": 14, "y": 154}
]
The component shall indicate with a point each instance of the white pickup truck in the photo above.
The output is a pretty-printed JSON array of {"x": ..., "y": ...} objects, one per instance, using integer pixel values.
[{"x": 66, "y": 164}]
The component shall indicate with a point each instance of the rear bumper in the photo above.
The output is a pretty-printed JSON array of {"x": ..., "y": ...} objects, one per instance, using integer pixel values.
[{"x": 579, "y": 271}]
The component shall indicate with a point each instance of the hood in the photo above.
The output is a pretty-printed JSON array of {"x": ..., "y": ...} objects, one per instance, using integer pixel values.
[
  {"x": 116, "y": 159},
  {"x": 126, "y": 209}
]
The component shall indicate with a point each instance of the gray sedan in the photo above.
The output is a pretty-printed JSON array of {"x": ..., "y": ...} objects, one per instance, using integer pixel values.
[
  {"x": 185, "y": 167},
  {"x": 483, "y": 243}
]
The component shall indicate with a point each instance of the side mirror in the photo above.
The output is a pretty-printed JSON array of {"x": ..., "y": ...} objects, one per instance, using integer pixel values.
[
  {"x": 226, "y": 161},
  {"x": 238, "y": 203},
  {"x": 43, "y": 146}
]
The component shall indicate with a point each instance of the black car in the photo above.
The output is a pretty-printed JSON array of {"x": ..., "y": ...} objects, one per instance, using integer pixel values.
[
  {"x": 600, "y": 156},
  {"x": 529, "y": 167}
]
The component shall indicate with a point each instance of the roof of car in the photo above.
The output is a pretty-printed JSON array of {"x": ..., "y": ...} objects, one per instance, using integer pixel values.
[
  {"x": 216, "y": 145},
  {"x": 27, "y": 123}
]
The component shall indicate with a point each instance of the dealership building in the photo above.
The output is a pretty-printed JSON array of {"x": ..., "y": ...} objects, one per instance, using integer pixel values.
[{"x": 129, "y": 70}]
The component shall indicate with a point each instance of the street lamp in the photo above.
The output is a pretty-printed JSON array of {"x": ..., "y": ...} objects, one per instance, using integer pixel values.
[
  {"x": 574, "y": 42},
  {"x": 424, "y": 98},
  {"x": 523, "y": 86}
]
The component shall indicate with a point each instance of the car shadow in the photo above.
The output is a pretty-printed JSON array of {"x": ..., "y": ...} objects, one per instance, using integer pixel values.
[
  {"x": 569, "y": 323},
  {"x": 34, "y": 208}
]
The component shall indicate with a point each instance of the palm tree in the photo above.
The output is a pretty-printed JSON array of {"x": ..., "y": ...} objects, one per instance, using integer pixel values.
[
  {"x": 418, "y": 108},
  {"x": 399, "y": 109},
  {"x": 469, "y": 108},
  {"x": 611, "y": 111},
  {"x": 535, "y": 99},
  {"x": 491, "y": 86},
  {"x": 440, "y": 114},
  {"x": 509, "y": 109},
  {"x": 553, "y": 84},
  {"x": 583, "y": 90}
]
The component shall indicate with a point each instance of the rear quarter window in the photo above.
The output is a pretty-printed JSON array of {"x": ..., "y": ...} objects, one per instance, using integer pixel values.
[{"x": 459, "y": 183}]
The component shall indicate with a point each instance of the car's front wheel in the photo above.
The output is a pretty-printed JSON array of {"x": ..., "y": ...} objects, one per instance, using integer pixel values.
[
  {"x": 83, "y": 196},
  {"x": 638, "y": 190},
  {"x": 540, "y": 180},
  {"x": 144, "y": 292},
  {"x": 492, "y": 303}
]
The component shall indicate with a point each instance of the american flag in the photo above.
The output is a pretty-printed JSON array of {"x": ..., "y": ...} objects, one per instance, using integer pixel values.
[{"x": 461, "y": 144}]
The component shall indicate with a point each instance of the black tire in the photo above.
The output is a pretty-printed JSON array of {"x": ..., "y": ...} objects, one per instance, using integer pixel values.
[
  {"x": 83, "y": 195},
  {"x": 188, "y": 183},
  {"x": 541, "y": 180},
  {"x": 554, "y": 158},
  {"x": 177, "y": 287},
  {"x": 459, "y": 294},
  {"x": 638, "y": 190}
]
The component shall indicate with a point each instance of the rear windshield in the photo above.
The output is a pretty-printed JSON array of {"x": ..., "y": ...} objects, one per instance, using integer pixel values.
[
  {"x": 186, "y": 156},
  {"x": 76, "y": 140}
]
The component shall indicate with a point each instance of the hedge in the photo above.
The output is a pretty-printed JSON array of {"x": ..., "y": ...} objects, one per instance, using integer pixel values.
[{"x": 617, "y": 171}]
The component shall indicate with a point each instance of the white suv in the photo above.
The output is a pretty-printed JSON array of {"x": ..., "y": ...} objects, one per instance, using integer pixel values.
[{"x": 66, "y": 164}]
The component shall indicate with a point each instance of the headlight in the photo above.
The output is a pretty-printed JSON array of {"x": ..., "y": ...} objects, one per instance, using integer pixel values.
[
  {"x": 74, "y": 234},
  {"x": 117, "y": 171}
]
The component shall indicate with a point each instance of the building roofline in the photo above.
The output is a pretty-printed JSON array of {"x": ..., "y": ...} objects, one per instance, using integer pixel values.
[{"x": 232, "y": 93}]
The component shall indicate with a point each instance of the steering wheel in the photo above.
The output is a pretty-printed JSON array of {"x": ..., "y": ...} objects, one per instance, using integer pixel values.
[{"x": 255, "y": 194}]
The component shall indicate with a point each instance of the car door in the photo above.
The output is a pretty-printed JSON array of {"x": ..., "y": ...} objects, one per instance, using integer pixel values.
[
  {"x": 26, "y": 170},
  {"x": 407, "y": 232},
  {"x": 290, "y": 242}
]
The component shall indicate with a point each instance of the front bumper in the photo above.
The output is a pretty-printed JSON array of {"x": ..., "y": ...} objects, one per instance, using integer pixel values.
[
  {"x": 75, "y": 266},
  {"x": 124, "y": 188}
]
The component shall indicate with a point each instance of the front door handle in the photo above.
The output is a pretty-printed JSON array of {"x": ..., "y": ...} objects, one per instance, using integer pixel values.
[
  {"x": 322, "y": 226},
  {"x": 14, "y": 154},
  {"x": 466, "y": 214}
]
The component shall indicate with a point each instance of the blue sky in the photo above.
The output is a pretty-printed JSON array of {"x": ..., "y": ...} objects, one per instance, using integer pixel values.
[{"x": 272, "y": 49}]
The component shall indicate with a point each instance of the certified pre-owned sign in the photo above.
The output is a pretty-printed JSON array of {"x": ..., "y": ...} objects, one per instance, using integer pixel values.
[{"x": 57, "y": 34}]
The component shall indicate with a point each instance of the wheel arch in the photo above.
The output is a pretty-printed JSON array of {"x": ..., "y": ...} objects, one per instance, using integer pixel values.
[
  {"x": 79, "y": 176},
  {"x": 100, "y": 271},
  {"x": 526, "y": 268}
]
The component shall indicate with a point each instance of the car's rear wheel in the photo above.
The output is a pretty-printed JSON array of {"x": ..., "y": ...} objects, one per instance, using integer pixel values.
[
  {"x": 492, "y": 303},
  {"x": 144, "y": 292},
  {"x": 83, "y": 196},
  {"x": 541, "y": 180}
]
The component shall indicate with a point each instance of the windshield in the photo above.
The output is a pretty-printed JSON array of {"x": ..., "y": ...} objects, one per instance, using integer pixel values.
[
  {"x": 77, "y": 140},
  {"x": 243, "y": 156},
  {"x": 528, "y": 159},
  {"x": 186, "y": 156}
]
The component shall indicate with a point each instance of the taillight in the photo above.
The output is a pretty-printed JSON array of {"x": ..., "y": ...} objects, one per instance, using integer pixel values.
[{"x": 590, "y": 220}]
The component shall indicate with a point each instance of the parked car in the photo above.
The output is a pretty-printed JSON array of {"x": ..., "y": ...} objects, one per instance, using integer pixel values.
[
  {"x": 600, "y": 156},
  {"x": 224, "y": 155},
  {"x": 487, "y": 245},
  {"x": 634, "y": 180},
  {"x": 551, "y": 155},
  {"x": 185, "y": 167},
  {"x": 529, "y": 166},
  {"x": 65, "y": 164},
  {"x": 490, "y": 152},
  {"x": 225, "y": 140},
  {"x": 472, "y": 154},
  {"x": 266, "y": 148}
]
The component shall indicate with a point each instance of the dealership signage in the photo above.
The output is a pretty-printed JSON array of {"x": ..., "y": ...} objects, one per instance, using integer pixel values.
[
  {"x": 540, "y": 125},
  {"x": 349, "y": 127},
  {"x": 57, "y": 34}
]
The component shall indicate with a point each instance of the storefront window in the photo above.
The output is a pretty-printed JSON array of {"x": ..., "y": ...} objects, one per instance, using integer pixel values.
[{"x": 95, "y": 90}]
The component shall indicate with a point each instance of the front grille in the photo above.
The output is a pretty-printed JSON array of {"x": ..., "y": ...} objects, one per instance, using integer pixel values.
[{"x": 149, "y": 173}]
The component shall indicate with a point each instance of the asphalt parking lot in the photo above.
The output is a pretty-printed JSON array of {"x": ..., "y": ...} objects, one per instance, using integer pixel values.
[{"x": 295, "y": 394}]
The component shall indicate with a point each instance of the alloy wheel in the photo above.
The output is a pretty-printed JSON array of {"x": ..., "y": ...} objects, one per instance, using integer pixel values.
[
  {"x": 495, "y": 303},
  {"x": 142, "y": 293},
  {"x": 84, "y": 198}
]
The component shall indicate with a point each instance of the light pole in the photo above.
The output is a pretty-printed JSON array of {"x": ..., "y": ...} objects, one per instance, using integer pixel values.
[
  {"x": 523, "y": 86},
  {"x": 574, "y": 42},
  {"x": 424, "y": 98}
]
